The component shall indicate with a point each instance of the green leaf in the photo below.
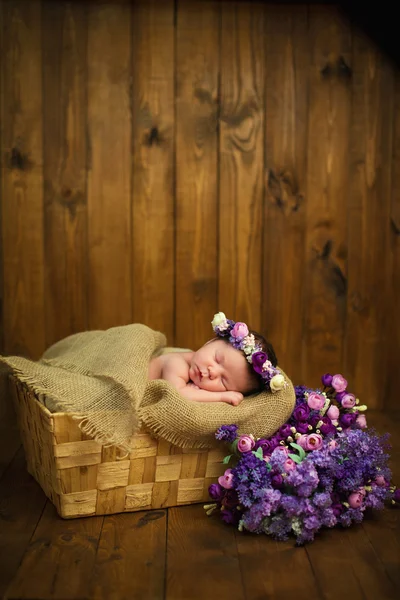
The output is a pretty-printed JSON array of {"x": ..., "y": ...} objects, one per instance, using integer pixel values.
[
  {"x": 300, "y": 449},
  {"x": 296, "y": 458},
  {"x": 227, "y": 459},
  {"x": 258, "y": 453},
  {"x": 234, "y": 445}
]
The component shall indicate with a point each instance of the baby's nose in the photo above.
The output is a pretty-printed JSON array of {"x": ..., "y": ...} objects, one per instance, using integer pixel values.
[{"x": 212, "y": 372}]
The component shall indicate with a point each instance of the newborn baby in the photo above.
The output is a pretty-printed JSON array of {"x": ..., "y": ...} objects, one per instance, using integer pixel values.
[{"x": 234, "y": 364}]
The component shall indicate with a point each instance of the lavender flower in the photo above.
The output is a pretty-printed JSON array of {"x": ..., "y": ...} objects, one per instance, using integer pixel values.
[{"x": 227, "y": 433}]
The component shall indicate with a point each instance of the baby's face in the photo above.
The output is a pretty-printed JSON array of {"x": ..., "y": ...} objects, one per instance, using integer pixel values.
[{"x": 218, "y": 367}]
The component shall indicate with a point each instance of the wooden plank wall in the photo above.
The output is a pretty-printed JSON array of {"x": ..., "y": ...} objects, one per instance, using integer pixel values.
[{"x": 164, "y": 160}]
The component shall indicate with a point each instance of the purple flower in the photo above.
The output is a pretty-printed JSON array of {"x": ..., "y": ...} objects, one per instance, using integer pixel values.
[
  {"x": 396, "y": 496},
  {"x": 301, "y": 412},
  {"x": 216, "y": 492},
  {"x": 231, "y": 517},
  {"x": 326, "y": 428},
  {"x": 227, "y": 433},
  {"x": 258, "y": 359},
  {"x": 339, "y": 396},
  {"x": 347, "y": 419},
  {"x": 245, "y": 443},
  {"x": 239, "y": 331},
  {"x": 285, "y": 431},
  {"x": 277, "y": 480},
  {"x": 302, "y": 427},
  {"x": 348, "y": 401},
  {"x": 312, "y": 522},
  {"x": 266, "y": 446},
  {"x": 230, "y": 499},
  {"x": 326, "y": 380},
  {"x": 337, "y": 509}
]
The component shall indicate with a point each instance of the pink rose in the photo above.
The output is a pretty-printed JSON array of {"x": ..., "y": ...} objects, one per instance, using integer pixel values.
[
  {"x": 239, "y": 331},
  {"x": 302, "y": 440},
  {"x": 339, "y": 383},
  {"x": 380, "y": 480},
  {"x": 332, "y": 445},
  {"x": 355, "y": 499},
  {"x": 361, "y": 421},
  {"x": 226, "y": 480},
  {"x": 313, "y": 441},
  {"x": 245, "y": 443},
  {"x": 315, "y": 401},
  {"x": 333, "y": 412},
  {"x": 348, "y": 401},
  {"x": 289, "y": 465}
]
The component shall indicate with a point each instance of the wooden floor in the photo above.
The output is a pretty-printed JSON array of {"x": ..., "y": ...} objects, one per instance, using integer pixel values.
[{"x": 180, "y": 553}]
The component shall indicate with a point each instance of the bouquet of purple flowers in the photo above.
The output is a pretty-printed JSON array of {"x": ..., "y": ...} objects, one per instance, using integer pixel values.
[{"x": 322, "y": 468}]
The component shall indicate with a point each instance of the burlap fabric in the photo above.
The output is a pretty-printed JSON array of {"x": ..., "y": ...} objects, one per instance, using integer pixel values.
[{"x": 102, "y": 376}]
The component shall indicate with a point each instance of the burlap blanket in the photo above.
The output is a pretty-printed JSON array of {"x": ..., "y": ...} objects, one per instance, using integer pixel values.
[{"x": 102, "y": 377}]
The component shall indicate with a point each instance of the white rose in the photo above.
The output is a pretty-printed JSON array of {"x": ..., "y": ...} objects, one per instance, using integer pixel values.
[
  {"x": 218, "y": 319},
  {"x": 277, "y": 383}
]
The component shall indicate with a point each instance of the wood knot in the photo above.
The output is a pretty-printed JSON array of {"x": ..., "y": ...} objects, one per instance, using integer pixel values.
[
  {"x": 18, "y": 160},
  {"x": 283, "y": 190},
  {"x": 336, "y": 67},
  {"x": 153, "y": 137}
]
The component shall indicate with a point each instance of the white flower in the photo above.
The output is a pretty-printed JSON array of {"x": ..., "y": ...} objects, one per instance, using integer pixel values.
[
  {"x": 277, "y": 383},
  {"x": 267, "y": 365},
  {"x": 219, "y": 319}
]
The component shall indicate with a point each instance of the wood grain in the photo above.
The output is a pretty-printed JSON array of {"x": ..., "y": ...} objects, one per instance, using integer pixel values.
[
  {"x": 273, "y": 569},
  {"x": 61, "y": 554},
  {"x": 393, "y": 323},
  {"x": 196, "y": 170},
  {"x": 197, "y": 544},
  {"x": 65, "y": 151},
  {"x": 325, "y": 266},
  {"x": 109, "y": 175},
  {"x": 22, "y": 180},
  {"x": 153, "y": 264},
  {"x": 21, "y": 505},
  {"x": 241, "y": 161},
  {"x": 368, "y": 323},
  {"x": 2, "y": 20},
  {"x": 287, "y": 57},
  {"x": 134, "y": 543}
]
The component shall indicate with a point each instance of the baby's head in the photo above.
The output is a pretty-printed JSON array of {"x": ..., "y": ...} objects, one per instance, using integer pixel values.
[{"x": 218, "y": 366}]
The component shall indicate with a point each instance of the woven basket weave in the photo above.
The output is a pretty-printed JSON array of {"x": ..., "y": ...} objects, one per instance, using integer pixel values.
[{"x": 83, "y": 478}]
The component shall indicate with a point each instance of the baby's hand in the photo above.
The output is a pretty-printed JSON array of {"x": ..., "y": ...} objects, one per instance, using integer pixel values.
[{"x": 233, "y": 398}]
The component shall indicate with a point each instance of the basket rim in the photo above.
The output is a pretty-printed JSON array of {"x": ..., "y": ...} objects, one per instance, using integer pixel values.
[{"x": 33, "y": 396}]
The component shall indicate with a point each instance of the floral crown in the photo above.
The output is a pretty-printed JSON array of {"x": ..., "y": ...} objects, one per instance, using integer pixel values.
[{"x": 240, "y": 338}]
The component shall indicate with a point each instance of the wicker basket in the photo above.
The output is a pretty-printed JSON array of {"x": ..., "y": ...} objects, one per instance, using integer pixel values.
[{"x": 83, "y": 478}]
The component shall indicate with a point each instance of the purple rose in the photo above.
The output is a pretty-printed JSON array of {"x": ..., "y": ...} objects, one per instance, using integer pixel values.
[
  {"x": 326, "y": 379},
  {"x": 285, "y": 431},
  {"x": 396, "y": 496},
  {"x": 339, "y": 383},
  {"x": 314, "y": 420},
  {"x": 326, "y": 428},
  {"x": 277, "y": 480},
  {"x": 266, "y": 445},
  {"x": 216, "y": 492},
  {"x": 347, "y": 419},
  {"x": 239, "y": 331},
  {"x": 301, "y": 413},
  {"x": 229, "y": 516},
  {"x": 348, "y": 401},
  {"x": 337, "y": 509},
  {"x": 230, "y": 499},
  {"x": 258, "y": 359},
  {"x": 302, "y": 427},
  {"x": 340, "y": 396}
]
